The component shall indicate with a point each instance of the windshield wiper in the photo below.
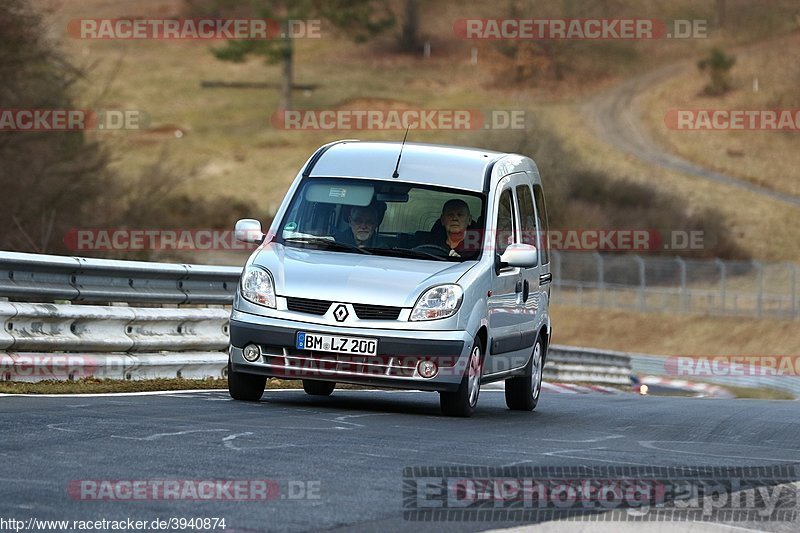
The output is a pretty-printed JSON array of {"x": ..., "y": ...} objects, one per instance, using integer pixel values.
[
  {"x": 407, "y": 252},
  {"x": 327, "y": 244}
]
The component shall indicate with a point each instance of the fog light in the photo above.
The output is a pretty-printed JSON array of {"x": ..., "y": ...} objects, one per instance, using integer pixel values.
[
  {"x": 427, "y": 369},
  {"x": 251, "y": 353}
]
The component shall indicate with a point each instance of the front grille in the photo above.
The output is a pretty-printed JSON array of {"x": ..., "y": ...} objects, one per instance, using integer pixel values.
[
  {"x": 376, "y": 312},
  {"x": 304, "y": 305}
]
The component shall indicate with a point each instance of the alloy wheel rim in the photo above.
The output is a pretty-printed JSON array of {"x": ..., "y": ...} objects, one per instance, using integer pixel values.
[
  {"x": 474, "y": 383},
  {"x": 536, "y": 371}
]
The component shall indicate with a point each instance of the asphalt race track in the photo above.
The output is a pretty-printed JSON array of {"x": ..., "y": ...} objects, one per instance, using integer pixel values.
[{"x": 349, "y": 451}]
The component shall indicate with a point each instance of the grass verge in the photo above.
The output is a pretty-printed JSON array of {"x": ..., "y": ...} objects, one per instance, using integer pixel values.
[{"x": 98, "y": 386}]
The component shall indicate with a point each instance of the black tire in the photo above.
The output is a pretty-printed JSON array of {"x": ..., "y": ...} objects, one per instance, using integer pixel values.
[
  {"x": 245, "y": 387},
  {"x": 318, "y": 388},
  {"x": 461, "y": 403},
  {"x": 522, "y": 394}
]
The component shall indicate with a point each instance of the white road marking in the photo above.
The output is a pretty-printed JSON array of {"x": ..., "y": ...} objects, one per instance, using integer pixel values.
[
  {"x": 563, "y": 454},
  {"x": 56, "y": 428},
  {"x": 650, "y": 444},
  {"x": 597, "y": 439},
  {"x": 175, "y": 434}
]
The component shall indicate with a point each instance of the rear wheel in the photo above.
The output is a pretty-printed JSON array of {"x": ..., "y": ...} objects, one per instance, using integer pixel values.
[
  {"x": 522, "y": 393},
  {"x": 246, "y": 387},
  {"x": 463, "y": 401},
  {"x": 318, "y": 388}
]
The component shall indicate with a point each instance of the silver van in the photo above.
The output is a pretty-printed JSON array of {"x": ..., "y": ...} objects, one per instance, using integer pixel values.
[{"x": 401, "y": 265}]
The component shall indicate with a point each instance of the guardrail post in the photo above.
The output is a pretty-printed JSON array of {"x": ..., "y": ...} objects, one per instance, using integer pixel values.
[
  {"x": 793, "y": 284},
  {"x": 556, "y": 268},
  {"x": 760, "y": 280},
  {"x": 601, "y": 284},
  {"x": 642, "y": 283},
  {"x": 722, "y": 284},
  {"x": 684, "y": 296}
]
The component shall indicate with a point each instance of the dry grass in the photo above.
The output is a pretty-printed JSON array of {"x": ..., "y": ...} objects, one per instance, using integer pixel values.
[
  {"x": 754, "y": 220},
  {"x": 767, "y": 158},
  {"x": 664, "y": 334},
  {"x": 96, "y": 386}
]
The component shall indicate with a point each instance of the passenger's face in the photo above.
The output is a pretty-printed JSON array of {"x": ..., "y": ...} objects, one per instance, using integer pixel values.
[
  {"x": 456, "y": 219},
  {"x": 362, "y": 223}
]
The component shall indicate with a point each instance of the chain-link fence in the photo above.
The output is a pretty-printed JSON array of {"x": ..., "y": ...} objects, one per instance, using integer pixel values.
[{"x": 673, "y": 284}]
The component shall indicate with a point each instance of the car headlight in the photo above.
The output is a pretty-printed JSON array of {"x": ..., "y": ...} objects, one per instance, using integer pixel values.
[
  {"x": 438, "y": 302},
  {"x": 257, "y": 287}
]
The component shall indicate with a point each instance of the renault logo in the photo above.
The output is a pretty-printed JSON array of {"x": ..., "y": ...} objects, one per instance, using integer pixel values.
[{"x": 340, "y": 313}]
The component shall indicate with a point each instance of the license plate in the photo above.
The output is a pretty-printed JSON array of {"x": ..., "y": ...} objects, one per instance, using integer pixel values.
[{"x": 336, "y": 344}]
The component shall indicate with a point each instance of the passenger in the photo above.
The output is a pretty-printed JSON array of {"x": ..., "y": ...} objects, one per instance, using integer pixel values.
[
  {"x": 363, "y": 222},
  {"x": 456, "y": 220}
]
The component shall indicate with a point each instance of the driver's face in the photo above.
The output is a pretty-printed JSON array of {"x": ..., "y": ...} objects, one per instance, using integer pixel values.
[
  {"x": 362, "y": 224},
  {"x": 456, "y": 219}
]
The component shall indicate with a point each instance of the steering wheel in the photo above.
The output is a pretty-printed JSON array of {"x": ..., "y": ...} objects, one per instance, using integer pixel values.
[{"x": 433, "y": 249}]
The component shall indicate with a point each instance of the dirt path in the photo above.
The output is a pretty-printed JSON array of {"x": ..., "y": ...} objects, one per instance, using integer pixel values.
[{"x": 614, "y": 114}]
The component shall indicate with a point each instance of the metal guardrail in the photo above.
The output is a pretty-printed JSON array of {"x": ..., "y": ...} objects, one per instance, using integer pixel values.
[
  {"x": 48, "y": 278},
  {"x": 587, "y": 365},
  {"x": 93, "y": 328}
]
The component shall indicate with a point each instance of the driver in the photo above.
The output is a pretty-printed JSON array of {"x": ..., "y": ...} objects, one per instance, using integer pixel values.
[
  {"x": 363, "y": 222},
  {"x": 456, "y": 220}
]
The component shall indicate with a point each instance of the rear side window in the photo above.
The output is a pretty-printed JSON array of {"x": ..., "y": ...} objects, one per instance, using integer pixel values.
[
  {"x": 544, "y": 227},
  {"x": 505, "y": 221},
  {"x": 527, "y": 216}
]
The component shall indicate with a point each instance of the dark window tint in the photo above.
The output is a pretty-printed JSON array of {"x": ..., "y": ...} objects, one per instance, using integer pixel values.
[{"x": 543, "y": 226}]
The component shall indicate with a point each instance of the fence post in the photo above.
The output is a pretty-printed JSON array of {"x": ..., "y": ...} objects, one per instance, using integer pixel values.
[
  {"x": 722, "y": 284},
  {"x": 601, "y": 283},
  {"x": 793, "y": 284},
  {"x": 760, "y": 280},
  {"x": 642, "y": 283},
  {"x": 684, "y": 305}
]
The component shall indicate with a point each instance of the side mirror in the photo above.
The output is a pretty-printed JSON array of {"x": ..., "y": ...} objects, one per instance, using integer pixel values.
[
  {"x": 249, "y": 230},
  {"x": 520, "y": 255}
]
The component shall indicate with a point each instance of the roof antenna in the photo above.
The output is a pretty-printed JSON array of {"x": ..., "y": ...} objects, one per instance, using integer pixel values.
[{"x": 395, "y": 174}]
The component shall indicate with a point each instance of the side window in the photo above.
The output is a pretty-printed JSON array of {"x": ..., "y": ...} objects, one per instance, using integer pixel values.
[
  {"x": 505, "y": 221},
  {"x": 527, "y": 215},
  {"x": 543, "y": 225}
]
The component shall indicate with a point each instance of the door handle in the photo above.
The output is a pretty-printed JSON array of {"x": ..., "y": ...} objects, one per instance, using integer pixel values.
[
  {"x": 518, "y": 287},
  {"x": 526, "y": 290}
]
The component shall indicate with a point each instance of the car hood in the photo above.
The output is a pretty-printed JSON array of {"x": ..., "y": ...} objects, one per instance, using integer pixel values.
[{"x": 352, "y": 277}]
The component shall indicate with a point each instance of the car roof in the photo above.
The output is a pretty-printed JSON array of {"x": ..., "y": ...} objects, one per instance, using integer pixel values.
[{"x": 446, "y": 166}]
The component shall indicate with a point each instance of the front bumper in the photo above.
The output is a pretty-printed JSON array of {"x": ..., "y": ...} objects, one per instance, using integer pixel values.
[{"x": 399, "y": 352}]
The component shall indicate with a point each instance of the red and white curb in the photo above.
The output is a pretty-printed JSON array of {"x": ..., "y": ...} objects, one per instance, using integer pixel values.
[
  {"x": 564, "y": 388},
  {"x": 701, "y": 389}
]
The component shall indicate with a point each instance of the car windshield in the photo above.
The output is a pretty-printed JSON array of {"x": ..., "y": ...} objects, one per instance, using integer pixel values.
[{"x": 385, "y": 218}]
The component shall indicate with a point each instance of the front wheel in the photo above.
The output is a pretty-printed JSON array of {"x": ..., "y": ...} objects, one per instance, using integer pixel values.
[
  {"x": 463, "y": 401},
  {"x": 318, "y": 388},
  {"x": 246, "y": 387},
  {"x": 522, "y": 393}
]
